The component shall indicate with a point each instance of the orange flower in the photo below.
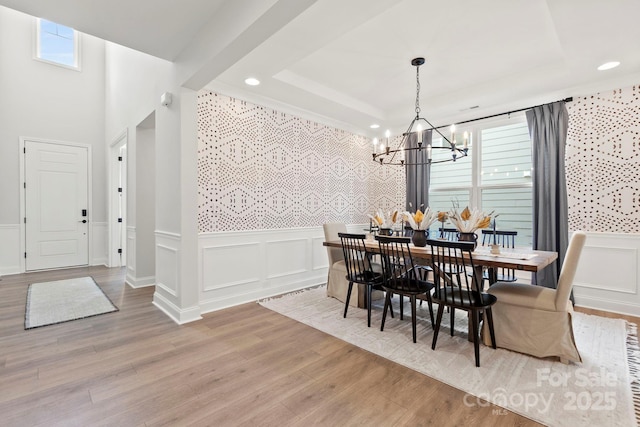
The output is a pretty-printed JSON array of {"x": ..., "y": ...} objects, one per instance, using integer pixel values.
[
  {"x": 485, "y": 222},
  {"x": 466, "y": 214},
  {"x": 417, "y": 217}
]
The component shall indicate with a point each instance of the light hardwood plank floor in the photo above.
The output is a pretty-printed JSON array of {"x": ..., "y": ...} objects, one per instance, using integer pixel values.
[{"x": 245, "y": 365}]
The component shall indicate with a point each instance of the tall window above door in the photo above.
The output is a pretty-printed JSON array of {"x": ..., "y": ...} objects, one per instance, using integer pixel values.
[
  {"x": 495, "y": 177},
  {"x": 57, "y": 44}
]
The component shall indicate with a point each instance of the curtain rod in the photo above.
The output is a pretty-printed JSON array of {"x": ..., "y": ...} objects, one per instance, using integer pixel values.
[{"x": 502, "y": 114}]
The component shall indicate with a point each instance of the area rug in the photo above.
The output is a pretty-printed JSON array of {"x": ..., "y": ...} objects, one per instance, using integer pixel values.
[
  {"x": 597, "y": 392},
  {"x": 60, "y": 301}
]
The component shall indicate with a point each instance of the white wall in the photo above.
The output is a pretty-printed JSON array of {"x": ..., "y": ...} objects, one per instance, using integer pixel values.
[
  {"x": 145, "y": 204},
  {"x": 41, "y": 100},
  {"x": 608, "y": 276}
]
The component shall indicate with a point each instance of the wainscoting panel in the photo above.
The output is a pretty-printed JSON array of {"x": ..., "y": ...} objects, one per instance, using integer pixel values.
[
  {"x": 167, "y": 264},
  {"x": 319, "y": 254},
  {"x": 230, "y": 265},
  {"x": 10, "y": 249},
  {"x": 608, "y": 273},
  {"x": 244, "y": 266},
  {"x": 286, "y": 257}
]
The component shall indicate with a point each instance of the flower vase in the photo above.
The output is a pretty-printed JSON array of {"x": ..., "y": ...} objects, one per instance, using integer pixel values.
[
  {"x": 469, "y": 237},
  {"x": 419, "y": 238}
]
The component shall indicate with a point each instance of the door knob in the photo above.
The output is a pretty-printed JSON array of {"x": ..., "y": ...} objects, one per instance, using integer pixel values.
[{"x": 84, "y": 221}]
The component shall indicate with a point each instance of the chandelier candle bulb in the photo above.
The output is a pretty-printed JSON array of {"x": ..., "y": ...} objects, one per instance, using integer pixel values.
[
  {"x": 466, "y": 140},
  {"x": 387, "y": 134},
  {"x": 419, "y": 130},
  {"x": 429, "y": 152}
]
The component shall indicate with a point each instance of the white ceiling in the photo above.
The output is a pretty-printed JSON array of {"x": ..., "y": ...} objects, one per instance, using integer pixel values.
[{"x": 347, "y": 62}]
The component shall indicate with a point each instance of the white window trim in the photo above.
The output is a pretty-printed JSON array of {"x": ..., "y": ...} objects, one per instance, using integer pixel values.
[
  {"x": 76, "y": 44},
  {"x": 475, "y": 189}
]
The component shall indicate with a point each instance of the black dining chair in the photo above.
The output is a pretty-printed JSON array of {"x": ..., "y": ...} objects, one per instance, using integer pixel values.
[
  {"x": 360, "y": 269},
  {"x": 454, "y": 292},
  {"x": 448, "y": 233},
  {"x": 403, "y": 277},
  {"x": 505, "y": 239}
]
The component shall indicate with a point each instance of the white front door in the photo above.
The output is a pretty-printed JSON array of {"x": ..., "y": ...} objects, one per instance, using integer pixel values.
[{"x": 56, "y": 204}]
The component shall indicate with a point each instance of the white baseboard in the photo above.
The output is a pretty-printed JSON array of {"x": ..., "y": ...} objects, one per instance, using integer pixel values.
[
  {"x": 140, "y": 282},
  {"x": 178, "y": 315}
]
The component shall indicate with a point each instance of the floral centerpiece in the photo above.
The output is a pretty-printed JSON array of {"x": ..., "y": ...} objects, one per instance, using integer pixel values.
[
  {"x": 385, "y": 222},
  {"x": 420, "y": 222},
  {"x": 468, "y": 221}
]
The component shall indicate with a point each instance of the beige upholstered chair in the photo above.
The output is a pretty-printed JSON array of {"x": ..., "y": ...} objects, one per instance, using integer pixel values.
[
  {"x": 337, "y": 284},
  {"x": 536, "y": 320}
]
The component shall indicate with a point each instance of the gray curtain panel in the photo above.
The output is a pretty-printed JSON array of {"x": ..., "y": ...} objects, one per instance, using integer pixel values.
[
  {"x": 548, "y": 130},
  {"x": 417, "y": 175}
]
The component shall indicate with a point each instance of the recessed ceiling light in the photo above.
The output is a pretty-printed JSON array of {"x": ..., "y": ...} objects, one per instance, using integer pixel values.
[
  {"x": 374, "y": 126},
  {"x": 608, "y": 65},
  {"x": 252, "y": 81}
]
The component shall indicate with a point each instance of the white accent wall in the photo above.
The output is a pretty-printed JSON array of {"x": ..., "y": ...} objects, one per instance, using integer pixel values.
[{"x": 41, "y": 100}]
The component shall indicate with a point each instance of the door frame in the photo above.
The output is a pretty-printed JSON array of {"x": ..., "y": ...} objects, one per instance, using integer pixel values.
[
  {"x": 112, "y": 165},
  {"x": 23, "y": 199}
]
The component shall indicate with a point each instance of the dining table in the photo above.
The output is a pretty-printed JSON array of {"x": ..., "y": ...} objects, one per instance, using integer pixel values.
[{"x": 518, "y": 258}]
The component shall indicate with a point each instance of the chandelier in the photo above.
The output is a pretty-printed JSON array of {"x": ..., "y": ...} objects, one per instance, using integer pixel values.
[{"x": 398, "y": 156}]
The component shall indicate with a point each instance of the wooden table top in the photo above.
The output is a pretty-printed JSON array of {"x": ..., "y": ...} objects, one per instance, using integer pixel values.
[{"x": 524, "y": 259}]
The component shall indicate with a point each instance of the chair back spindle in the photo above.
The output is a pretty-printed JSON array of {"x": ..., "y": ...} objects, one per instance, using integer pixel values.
[
  {"x": 451, "y": 288},
  {"x": 355, "y": 257}
]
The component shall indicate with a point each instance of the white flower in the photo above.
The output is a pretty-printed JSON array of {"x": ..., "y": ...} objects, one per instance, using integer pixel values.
[
  {"x": 419, "y": 220},
  {"x": 383, "y": 221},
  {"x": 469, "y": 220}
]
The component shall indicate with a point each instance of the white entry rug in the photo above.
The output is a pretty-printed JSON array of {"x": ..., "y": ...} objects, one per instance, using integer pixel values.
[
  {"x": 64, "y": 300},
  {"x": 597, "y": 392}
]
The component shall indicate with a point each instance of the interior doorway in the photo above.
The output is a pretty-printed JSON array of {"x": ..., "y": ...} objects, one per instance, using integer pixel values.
[{"x": 118, "y": 201}]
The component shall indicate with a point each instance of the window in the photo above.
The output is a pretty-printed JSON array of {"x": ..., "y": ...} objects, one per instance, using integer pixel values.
[
  {"x": 57, "y": 44},
  {"x": 495, "y": 176}
]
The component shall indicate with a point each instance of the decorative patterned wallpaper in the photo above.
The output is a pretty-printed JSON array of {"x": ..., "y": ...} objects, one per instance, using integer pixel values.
[
  {"x": 262, "y": 169},
  {"x": 603, "y": 162}
]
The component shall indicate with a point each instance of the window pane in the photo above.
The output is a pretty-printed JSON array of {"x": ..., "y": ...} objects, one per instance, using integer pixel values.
[
  {"x": 514, "y": 209},
  {"x": 449, "y": 174},
  {"x": 506, "y": 155},
  {"x": 57, "y": 43},
  {"x": 48, "y": 26},
  {"x": 443, "y": 201}
]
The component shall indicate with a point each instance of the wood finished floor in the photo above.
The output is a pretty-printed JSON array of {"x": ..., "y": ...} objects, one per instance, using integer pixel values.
[{"x": 245, "y": 365}]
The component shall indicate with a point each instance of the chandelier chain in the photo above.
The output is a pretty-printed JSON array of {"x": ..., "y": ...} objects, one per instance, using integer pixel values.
[{"x": 418, "y": 91}]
